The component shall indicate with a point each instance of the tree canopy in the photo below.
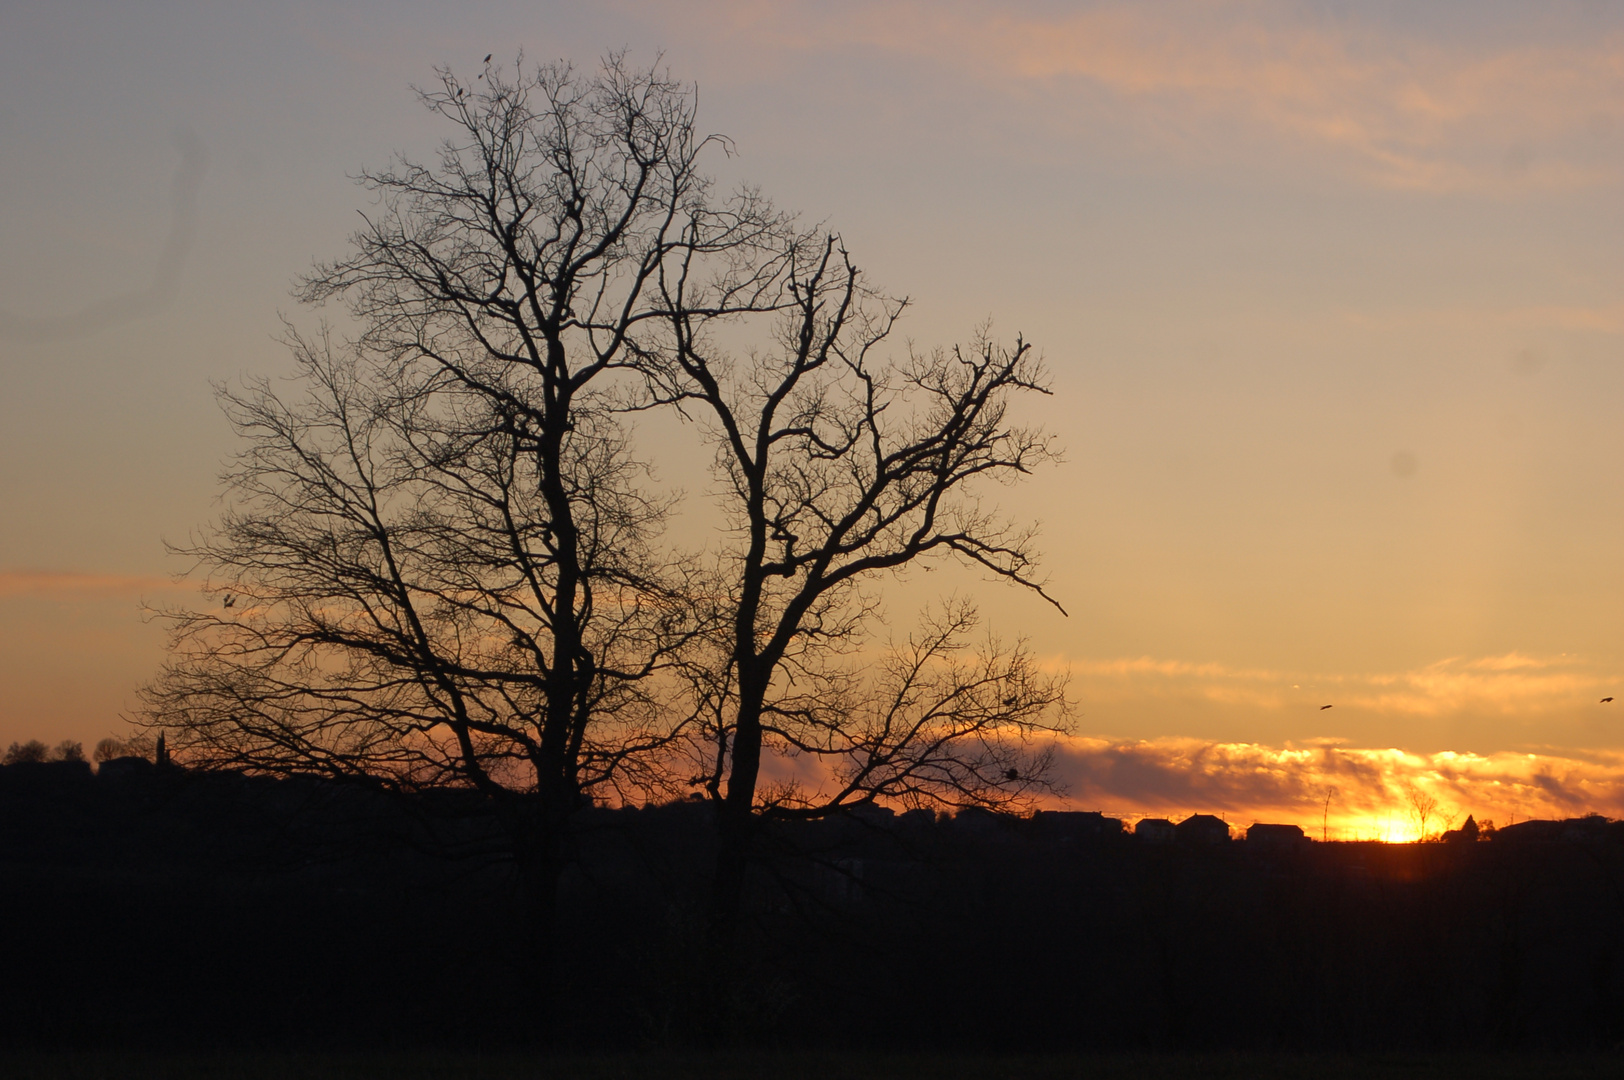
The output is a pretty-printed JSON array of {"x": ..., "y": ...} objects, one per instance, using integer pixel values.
[{"x": 443, "y": 558}]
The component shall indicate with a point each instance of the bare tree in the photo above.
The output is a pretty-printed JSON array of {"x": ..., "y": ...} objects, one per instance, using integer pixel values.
[
  {"x": 35, "y": 752},
  {"x": 1422, "y": 808},
  {"x": 31, "y": 752},
  {"x": 114, "y": 747},
  {"x": 388, "y": 609},
  {"x": 1331, "y": 792},
  {"x": 438, "y": 567},
  {"x": 841, "y": 468},
  {"x": 441, "y": 566}
]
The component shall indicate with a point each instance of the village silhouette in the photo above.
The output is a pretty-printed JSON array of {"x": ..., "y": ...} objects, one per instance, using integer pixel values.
[{"x": 150, "y": 906}]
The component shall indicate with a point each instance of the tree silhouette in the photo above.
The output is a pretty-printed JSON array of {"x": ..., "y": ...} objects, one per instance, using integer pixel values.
[
  {"x": 841, "y": 467},
  {"x": 438, "y": 566},
  {"x": 1422, "y": 808},
  {"x": 442, "y": 562},
  {"x": 31, "y": 752}
]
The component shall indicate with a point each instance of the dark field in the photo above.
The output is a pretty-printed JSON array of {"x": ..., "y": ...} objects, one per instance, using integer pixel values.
[
  {"x": 804, "y": 1067},
  {"x": 195, "y": 914}
]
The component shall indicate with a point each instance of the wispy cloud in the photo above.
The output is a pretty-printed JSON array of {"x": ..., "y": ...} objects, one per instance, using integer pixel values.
[
  {"x": 1504, "y": 685},
  {"x": 1394, "y": 107},
  {"x": 68, "y": 584},
  {"x": 1411, "y": 114},
  {"x": 1369, "y": 789}
]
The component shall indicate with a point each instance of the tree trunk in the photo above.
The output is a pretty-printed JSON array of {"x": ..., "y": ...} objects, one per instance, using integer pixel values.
[
  {"x": 540, "y": 963},
  {"x": 734, "y": 842},
  {"x": 735, "y": 817}
]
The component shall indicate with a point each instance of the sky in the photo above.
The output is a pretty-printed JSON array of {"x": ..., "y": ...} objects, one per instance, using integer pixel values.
[{"x": 1331, "y": 294}]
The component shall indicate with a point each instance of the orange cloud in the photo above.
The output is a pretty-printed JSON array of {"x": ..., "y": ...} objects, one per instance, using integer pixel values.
[
  {"x": 1370, "y": 789},
  {"x": 1506, "y": 685},
  {"x": 1400, "y": 110},
  {"x": 1396, "y": 105},
  {"x": 1329, "y": 788},
  {"x": 68, "y": 584}
]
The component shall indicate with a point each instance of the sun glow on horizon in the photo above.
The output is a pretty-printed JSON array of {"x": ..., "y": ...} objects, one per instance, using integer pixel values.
[{"x": 1337, "y": 792}]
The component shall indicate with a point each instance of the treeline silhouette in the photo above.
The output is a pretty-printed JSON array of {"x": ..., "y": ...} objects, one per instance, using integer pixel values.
[{"x": 147, "y": 905}]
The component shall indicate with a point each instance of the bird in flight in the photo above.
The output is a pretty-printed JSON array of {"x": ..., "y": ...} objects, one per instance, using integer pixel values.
[
  {"x": 1605, "y": 700},
  {"x": 1324, "y": 707}
]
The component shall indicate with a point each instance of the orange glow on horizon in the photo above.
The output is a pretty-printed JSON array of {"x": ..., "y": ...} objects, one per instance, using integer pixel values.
[{"x": 1338, "y": 792}]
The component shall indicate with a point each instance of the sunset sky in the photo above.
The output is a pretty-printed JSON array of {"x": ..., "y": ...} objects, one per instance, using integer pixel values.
[{"x": 1332, "y": 296}]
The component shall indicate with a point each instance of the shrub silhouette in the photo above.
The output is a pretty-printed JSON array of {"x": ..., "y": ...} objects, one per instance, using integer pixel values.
[{"x": 31, "y": 752}]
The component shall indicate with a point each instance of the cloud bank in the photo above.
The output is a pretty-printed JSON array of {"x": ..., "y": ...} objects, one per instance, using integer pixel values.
[{"x": 1370, "y": 790}]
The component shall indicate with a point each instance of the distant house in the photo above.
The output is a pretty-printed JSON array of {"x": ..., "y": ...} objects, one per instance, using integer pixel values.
[
  {"x": 1075, "y": 825},
  {"x": 1202, "y": 829},
  {"x": 870, "y": 813},
  {"x": 979, "y": 820},
  {"x": 1273, "y": 836},
  {"x": 1466, "y": 834},
  {"x": 917, "y": 818},
  {"x": 23, "y": 775},
  {"x": 1532, "y": 831},
  {"x": 1591, "y": 829},
  {"x": 121, "y": 767},
  {"x": 1155, "y": 830}
]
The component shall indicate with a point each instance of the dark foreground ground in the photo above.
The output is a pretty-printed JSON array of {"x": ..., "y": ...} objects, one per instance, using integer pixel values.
[
  {"x": 87, "y": 1066},
  {"x": 171, "y": 914}
]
